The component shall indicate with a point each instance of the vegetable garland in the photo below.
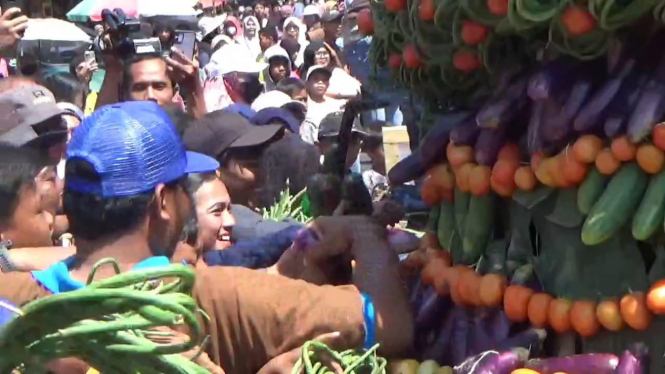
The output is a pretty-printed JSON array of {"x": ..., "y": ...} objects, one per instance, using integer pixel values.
[
  {"x": 450, "y": 53},
  {"x": 106, "y": 323},
  {"x": 315, "y": 354}
]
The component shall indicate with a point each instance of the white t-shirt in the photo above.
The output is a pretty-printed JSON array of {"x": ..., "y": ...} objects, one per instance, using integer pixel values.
[{"x": 309, "y": 130}]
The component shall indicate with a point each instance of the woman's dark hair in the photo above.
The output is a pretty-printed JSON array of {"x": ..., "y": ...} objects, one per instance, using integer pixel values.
[
  {"x": 181, "y": 119},
  {"x": 309, "y": 55},
  {"x": 270, "y": 31},
  {"x": 74, "y": 63},
  {"x": 67, "y": 87},
  {"x": 291, "y": 47},
  {"x": 18, "y": 169},
  {"x": 92, "y": 216},
  {"x": 290, "y": 86},
  {"x": 193, "y": 182},
  {"x": 288, "y": 159}
]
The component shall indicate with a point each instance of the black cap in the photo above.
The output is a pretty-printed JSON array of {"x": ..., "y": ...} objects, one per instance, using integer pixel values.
[
  {"x": 332, "y": 123},
  {"x": 30, "y": 117},
  {"x": 331, "y": 15},
  {"x": 221, "y": 130}
]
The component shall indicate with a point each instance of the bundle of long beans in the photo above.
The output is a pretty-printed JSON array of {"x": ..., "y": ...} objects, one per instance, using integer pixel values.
[
  {"x": 105, "y": 324},
  {"x": 318, "y": 358},
  {"x": 287, "y": 207}
]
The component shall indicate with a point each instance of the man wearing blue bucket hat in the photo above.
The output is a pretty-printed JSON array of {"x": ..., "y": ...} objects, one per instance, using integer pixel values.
[{"x": 125, "y": 199}]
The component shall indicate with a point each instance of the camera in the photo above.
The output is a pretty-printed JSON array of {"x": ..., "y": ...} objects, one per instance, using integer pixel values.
[{"x": 121, "y": 31}]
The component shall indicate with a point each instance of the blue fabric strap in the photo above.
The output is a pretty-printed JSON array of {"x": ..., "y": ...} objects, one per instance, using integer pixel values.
[{"x": 370, "y": 321}]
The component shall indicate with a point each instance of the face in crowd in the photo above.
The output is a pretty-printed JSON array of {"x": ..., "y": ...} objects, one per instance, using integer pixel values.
[
  {"x": 279, "y": 68},
  {"x": 322, "y": 57},
  {"x": 150, "y": 81},
  {"x": 250, "y": 27},
  {"x": 317, "y": 83},
  {"x": 291, "y": 30},
  {"x": 213, "y": 214}
]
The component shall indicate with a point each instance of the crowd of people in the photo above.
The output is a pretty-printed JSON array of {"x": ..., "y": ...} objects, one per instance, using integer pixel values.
[{"x": 171, "y": 160}]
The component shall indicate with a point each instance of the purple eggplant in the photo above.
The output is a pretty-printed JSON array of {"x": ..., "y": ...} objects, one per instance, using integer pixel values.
[
  {"x": 488, "y": 145},
  {"x": 558, "y": 126},
  {"x": 431, "y": 309},
  {"x": 634, "y": 360},
  {"x": 432, "y": 147},
  {"x": 504, "y": 363},
  {"x": 534, "y": 139},
  {"x": 531, "y": 339},
  {"x": 460, "y": 335},
  {"x": 465, "y": 133},
  {"x": 619, "y": 110},
  {"x": 505, "y": 107},
  {"x": 439, "y": 349},
  {"x": 408, "y": 169},
  {"x": 551, "y": 80},
  {"x": 597, "y": 363},
  {"x": 589, "y": 115},
  {"x": 648, "y": 112},
  {"x": 472, "y": 363},
  {"x": 402, "y": 242}
]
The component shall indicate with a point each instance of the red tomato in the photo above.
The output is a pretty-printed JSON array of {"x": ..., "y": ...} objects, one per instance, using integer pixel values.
[
  {"x": 426, "y": 10},
  {"x": 577, "y": 20},
  {"x": 410, "y": 56},
  {"x": 473, "y": 33},
  {"x": 365, "y": 23},
  {"x": 395, "y": 61},
  {"x": 466, "y": 61},
  {"x": 395, "y": 5}
]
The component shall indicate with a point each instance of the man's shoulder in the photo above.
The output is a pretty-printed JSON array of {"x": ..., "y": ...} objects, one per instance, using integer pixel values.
[{"x": 20, "y": 288}]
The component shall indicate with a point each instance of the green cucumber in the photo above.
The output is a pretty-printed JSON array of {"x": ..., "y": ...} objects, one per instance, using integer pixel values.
[
  {"x": 616, "y": 205},
  {"x": 649, "y": 216},
  {"x": 446, "y": 225},
  {"x": 477, "y": 227},
  {"x": 461, "y": 209},
  {"x": 590, "y": 190},
  {"x": 432, "y": 220}
]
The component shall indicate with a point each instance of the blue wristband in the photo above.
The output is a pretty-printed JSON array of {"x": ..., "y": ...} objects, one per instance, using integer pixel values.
[{"x": 369, "y": 315}]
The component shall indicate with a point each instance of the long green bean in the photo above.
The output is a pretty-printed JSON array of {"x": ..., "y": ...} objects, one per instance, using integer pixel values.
[
  {"x": 105, "y": 324},
  {"x": 316, "y": 356}
]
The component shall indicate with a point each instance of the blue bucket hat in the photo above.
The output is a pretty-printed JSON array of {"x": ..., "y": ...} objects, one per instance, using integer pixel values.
[{"x": 133, "y": 147}]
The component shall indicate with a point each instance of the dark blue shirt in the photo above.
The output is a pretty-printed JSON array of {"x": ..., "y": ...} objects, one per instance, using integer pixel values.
[{"x": 258, "y": 243}]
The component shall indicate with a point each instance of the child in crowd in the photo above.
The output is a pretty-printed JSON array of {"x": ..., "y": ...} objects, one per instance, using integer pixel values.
[{"x": 318, "y": 105}]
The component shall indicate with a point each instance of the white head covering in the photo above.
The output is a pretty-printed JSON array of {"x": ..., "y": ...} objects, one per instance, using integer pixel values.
[
  {"x": 220, "y": 39},
  {"x": 302, "y": 38},
  {"x": 232, "y": 58},
  {"x": 210, "y": 24}
]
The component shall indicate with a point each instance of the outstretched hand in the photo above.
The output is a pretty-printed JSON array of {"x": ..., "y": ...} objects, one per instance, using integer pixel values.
[{"x": 12, "y": 27}]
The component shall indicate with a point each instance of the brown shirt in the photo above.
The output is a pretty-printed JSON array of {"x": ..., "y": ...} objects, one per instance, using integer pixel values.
[{"x": 254, "y": 316}]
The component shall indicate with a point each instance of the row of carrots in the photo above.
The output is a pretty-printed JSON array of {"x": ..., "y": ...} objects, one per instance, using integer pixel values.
[
  {"x": 566, "y": 169},
  {"x": 521, "y": 304}
]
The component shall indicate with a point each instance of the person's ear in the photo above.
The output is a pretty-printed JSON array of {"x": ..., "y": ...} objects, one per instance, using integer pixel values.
[{"x": 162, "y": 196}]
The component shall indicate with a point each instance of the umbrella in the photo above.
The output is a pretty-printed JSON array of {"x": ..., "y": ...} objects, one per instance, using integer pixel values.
[
  {"x": 211, "y": 3},
  {"x": 91, "y": 10},
  {"x": 54, "y": 29}
]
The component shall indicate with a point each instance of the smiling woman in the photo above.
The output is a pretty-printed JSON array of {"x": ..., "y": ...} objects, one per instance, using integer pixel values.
[{"x": 213, "y": 211}]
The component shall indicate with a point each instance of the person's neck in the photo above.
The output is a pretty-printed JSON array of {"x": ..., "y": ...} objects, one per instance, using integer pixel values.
[
  {"x": 318, "y": 99},
  {"x": 128, "y": 250}
]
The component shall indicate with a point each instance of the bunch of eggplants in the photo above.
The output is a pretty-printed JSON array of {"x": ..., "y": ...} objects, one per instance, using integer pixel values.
[{"x": 546, "y": 109}]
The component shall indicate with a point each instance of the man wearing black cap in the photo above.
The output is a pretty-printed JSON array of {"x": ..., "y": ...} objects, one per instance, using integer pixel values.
[
  {"x": 29, "y": 117},
  {"x": 237, "y": 145},
  {"x": 332, "y": 28},
  {"x": 329, "y": 131}
]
